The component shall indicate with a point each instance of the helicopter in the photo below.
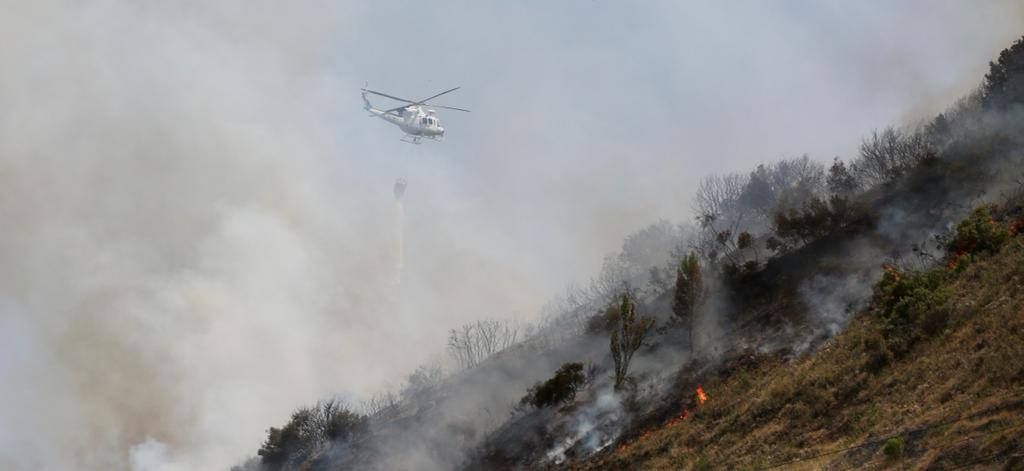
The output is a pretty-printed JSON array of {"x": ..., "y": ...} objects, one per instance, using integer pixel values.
[{"x": 413, "y": 118}]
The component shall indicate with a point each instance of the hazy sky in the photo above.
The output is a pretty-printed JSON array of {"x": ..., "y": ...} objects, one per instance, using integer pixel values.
[
  {"x": 625, "y": 107},
  {"x": 199, "y": 233}
]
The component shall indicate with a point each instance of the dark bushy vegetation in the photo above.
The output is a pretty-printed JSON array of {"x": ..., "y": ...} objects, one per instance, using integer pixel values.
[
  {"x": 309, "y": 431},
  {"x": 816, "y": 219},
  {"x": 559, "y": 389},
  {"x": 1004, "y": 83},
  {"x": 840, "y": 181}
]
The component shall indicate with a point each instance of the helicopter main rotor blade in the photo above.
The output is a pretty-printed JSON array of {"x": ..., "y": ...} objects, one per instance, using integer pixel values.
[
  {"x": 393, "y": 110},
  {"x": 448, "y": 108},
  {"x": 387, "y": 96},
  {"x": 435, "y": 96}
]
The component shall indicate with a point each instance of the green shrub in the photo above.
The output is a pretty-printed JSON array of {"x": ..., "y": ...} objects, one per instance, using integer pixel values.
[
  {"x": 561, "y": 388},
  {"x": 911, "y": 305},
  {"x": 914, "y": 304},
  {"x": 876, "y": 352},
  {"x": 893, "y": 448},
  {"x": 979, "y": 233}
]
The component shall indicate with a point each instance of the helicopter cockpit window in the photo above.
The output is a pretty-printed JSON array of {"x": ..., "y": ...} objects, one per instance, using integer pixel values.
[{"x": 423, "y": 121}]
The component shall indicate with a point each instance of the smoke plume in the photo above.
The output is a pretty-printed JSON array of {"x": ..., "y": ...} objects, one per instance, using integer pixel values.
[{"x": 195, "y": 212}]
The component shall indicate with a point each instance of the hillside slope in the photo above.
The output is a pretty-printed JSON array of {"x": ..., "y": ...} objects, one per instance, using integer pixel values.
[
  {"x": 813, "y": 354},
  {"x": 953, "y": 399}
]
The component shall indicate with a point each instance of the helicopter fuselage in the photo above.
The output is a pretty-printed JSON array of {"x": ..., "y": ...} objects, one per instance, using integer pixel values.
[{"x": 413, "y": 120}]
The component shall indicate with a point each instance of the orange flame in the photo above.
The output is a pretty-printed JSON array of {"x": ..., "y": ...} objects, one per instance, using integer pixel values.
[
  {"x": 953, "y": 262},
  {"x": 676, "y": 420},
  {"x": 892, "y": 271},
  {"x": 701, "y": 398},
  {"x": 1017, "y": 227}
]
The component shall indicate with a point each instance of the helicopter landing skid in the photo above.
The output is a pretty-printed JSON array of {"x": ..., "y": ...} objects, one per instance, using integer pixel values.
[{"x": 417, "y": 140}]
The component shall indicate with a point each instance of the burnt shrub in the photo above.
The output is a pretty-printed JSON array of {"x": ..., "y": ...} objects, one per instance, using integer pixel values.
[{"x": 559, "y": 389}]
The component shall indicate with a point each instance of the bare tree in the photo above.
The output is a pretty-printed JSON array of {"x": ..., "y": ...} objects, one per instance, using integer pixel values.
[
  {"x": 718, "y": 195},
  {"x": 781, "y": 185},
  {"x": 887, "y": 155},
  {"x": 616, "y": 275},
  {"x": 796, "y": 181},
  {"x": 381, "y": 405},
  {"x": 475, "y": 342}
]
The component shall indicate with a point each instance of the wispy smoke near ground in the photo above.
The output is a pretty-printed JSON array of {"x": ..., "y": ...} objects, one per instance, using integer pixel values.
[{"x": 195, "y": 211}]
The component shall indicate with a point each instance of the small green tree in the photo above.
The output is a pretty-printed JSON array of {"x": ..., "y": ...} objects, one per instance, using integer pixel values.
[
  {"x": 690, "y": 293},
  {"x": 560, "y": 389},
  {"x": 627, "y": 337},
  {"x": 840, "y": 181}
]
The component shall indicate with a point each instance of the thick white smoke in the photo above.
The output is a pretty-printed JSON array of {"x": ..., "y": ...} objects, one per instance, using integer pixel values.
[
  {"x": 195, "y": 228},
  {"x": 184, "y": 257}
]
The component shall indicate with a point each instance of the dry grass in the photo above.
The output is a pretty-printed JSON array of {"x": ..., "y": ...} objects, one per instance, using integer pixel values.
[{"x": 962, "y": 389}]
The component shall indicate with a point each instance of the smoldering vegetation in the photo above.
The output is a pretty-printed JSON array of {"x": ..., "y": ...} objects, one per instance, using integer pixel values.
[{"x": 776, "y": 263}]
